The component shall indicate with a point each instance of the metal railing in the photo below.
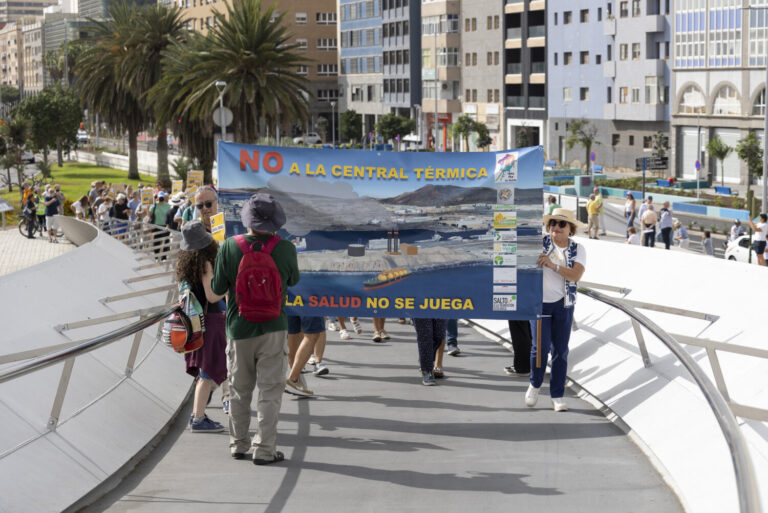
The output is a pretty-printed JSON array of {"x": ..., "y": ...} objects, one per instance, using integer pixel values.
[{"x": 746, "y": 484}]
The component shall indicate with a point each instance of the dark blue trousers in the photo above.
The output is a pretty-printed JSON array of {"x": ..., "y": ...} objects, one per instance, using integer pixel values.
[{"x": 555, "y": 334}]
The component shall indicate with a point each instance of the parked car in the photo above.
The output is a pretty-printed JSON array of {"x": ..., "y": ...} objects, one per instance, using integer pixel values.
[
  {"x": 739, "y": 249},
  {"x": 308, "y": 138},
  {"x": 82, "y": 137},
  {"x": 27, "y": 157}
]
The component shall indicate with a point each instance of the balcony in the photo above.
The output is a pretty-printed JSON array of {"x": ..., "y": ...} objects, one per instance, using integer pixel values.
[
  {"x": 537, "y": 36},
  {"x": 538, "y": 67},
  {"x": 515, "y": 102},
  {"x": 609, "y": 26},
  {"x": 514, "y": 6},
  {"x": 514, "y": 33},
  {"x": 537, "y": 102},
  {"x": 537, "y": 5},
  {"x": 514, "y": 68},
  {"x": 649, "y": 24}
]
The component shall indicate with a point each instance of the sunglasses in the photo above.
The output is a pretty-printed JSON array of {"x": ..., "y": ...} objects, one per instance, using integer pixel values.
[
  {"x": 206, "y": 204},
  {"x": 561, "y": 224}
]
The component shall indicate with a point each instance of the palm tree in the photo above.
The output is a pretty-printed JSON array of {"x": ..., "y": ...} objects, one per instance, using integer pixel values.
[
  {"x": 156, "y": 28},
  {"x": 249, "y": 49},
  {"x": 101, "y": 80},
  {"x": 719, "y": 151}
]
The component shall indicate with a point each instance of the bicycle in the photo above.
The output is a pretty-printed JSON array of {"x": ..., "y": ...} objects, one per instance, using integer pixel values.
[{"x": 36, "y": 227}]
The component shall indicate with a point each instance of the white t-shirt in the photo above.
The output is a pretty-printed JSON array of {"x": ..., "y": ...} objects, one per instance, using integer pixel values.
[
  {"x": 762, "y": 230},
  {"x": 634, "y": 239},
  {"x": 78, "y": 208},
  {"x": 554, "y": 284},
  {"x": 628, "y": 206},
  {"x": 104, "y": 212}
]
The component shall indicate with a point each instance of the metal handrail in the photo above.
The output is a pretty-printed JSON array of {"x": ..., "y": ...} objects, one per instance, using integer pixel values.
[
  {"x": 746, "y": 484},
  {"x": 87, "y": 346}
]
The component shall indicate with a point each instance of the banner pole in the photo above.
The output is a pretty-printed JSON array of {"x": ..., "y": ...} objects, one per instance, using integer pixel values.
[{"x": 538, "y": 343}]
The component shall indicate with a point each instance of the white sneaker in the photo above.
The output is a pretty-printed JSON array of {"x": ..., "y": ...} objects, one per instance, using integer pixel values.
[
  {"x": 531, "y": 396},
  {"x": 320, "y": 369},
  {"x": 311, "y": 360},
  {"x": 558, "y": 403},
  {"x": 344, "y": 335},
  {"x": 331, "y": 326}
]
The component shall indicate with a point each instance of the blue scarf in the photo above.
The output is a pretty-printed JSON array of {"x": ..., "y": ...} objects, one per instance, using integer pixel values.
[{"x": 570, "y": 258}]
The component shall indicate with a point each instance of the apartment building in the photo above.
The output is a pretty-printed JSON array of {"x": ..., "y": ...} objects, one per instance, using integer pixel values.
[
  {"x": 32, "y": 35},
  {"x": 720, "y": 49},
  {"x": 441, "y": 69},
  {"x": 525, "y": 72},
  {"x": 11, "y": 55},
  {"x": 98, "y": 9},
  {"x": 360, "y": 60},
  {"x": 482, "y": 67},
  {"x": 609, "y": 64},
  {"x": 401, "y": 56},
  {"x": 11, "y": 11}
]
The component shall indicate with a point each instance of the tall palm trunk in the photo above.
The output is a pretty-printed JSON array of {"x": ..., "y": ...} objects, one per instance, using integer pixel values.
[
  {"x": 133, "y": 154},
  {"x": 162, "y": 157}
]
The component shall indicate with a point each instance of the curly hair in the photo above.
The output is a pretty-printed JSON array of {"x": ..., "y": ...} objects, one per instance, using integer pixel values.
[{"x": 191, "y": 264}]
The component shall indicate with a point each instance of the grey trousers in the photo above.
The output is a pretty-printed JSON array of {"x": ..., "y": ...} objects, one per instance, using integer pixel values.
[{"x": 259, "y": 360}]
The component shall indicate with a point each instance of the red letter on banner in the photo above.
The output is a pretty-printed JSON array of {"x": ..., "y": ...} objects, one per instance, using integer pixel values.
[
  {"x": 278, "y": 162},
  {"x": 246, "y": 159}
]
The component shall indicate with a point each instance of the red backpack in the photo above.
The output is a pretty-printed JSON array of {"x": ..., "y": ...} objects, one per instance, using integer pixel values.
[{"x": 259, "y": 286}]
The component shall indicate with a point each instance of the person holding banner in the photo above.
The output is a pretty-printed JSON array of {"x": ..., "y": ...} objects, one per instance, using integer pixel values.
[{"x": 563, "y": 261}]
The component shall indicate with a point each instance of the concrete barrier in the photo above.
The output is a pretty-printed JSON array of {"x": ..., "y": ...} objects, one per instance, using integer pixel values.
[
  {"x": 107, "y": 417},
  {"x": 662, "y": 405}
]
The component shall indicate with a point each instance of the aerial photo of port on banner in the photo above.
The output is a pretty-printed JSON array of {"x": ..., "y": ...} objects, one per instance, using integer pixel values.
[{"x": 400, "y": 234}]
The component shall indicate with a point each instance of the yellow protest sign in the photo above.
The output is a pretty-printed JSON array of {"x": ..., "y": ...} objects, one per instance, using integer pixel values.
[
  {"x": 194, "y": 180},
  {"x": 176, "y": 186},
  {"x": 217, "y": 227},
  {"x": 146, "y": 196}
]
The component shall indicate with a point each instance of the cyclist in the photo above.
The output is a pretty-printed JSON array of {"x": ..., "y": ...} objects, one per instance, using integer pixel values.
[{"x": 29, "y": 216}]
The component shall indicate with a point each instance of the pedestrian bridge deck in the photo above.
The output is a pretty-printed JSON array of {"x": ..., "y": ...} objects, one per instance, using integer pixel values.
[{"x": 375, "y": 440}]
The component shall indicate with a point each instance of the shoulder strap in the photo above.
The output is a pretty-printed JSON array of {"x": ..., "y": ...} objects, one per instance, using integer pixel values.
[
  {"x": 269, "y": 246},
  {"x": 243, "y": 244}
]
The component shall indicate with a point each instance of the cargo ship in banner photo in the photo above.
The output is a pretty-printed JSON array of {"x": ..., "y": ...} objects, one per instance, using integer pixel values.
[{"x": 386, "y": 278}]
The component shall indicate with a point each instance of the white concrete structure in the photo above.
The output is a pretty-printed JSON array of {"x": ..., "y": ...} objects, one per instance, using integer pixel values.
[{"x": 661, "y": 405}]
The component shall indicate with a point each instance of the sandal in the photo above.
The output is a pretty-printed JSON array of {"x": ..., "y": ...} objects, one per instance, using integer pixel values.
[
  {"x": 438, "y": 372},
  {"x": 356, "y": 325}
]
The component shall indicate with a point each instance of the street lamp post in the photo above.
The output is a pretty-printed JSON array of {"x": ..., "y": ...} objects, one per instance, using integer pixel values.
[
  {"x": 333, "y": 123},
  {"x": 220, "y": 86}
]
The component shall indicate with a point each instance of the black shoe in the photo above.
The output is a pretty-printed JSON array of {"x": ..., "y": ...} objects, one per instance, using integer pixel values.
[
  {"x": 428, "y": 379},
  {"x": 511, "y": 371},
  {"x": 238, "y": 455},
  {"x": 453, "y": 349},
  {"x": 279, "y": 456}
]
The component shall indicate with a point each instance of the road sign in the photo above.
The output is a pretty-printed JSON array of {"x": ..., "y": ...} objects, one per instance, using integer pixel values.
[
  {"x": 652, "y": 163},
  {"x": 228, "y": 117},
  {"x": 698, "y": 165},
  {"x": 592, "y": 156}
]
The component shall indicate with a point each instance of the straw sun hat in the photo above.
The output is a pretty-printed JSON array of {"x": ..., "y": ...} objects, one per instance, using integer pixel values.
[{"x": 563, "y": 214}]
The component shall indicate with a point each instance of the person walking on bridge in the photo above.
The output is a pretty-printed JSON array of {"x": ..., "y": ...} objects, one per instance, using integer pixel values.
[
  {"x": 563, "y": 262},
  {"x": 256, "y": 351}
]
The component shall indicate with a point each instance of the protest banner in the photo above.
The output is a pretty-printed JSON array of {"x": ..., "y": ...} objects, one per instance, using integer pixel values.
[
  {"x": 194, "y": 181},
  {"x": 147, "y": 195},
  {"x": 176, "y": 186},
  {"x": 392, "y": 234}
]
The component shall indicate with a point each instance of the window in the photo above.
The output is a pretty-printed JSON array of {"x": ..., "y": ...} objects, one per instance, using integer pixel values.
[
  {"x": 474, "y": 24},
  {"x": 495, "y": 58},
  {"x": 635, "y": 95},
  {"x": 448, "y": 57},
  {"x": 727, "y": 102},
  {"x": 327, "y": 70},
  {"x": 609, "y": 53},
  {"x": 598, "y": 59},
  {"x": 758, "y": 109},
  {"x": 302, "y": 70},
  {"x": 566, "y": 94},
  {"x": 555, "y": 18},
  {"x": 474, "y": 59},
  {"x": 489, "y": 24},
  {"x": 623, "y": 51},
  {"x": 623, "y": 9},
  {"x": 584, "y": 58},
  {"x": 652, "y": 91},
  {"x": 615, "y": 139},
  {"x": 467, "y": 95},
  {"x": 631, "y": 140},
  {"x": 325, "y": 18},
  {"x": 466, "y": 24},
  {"x": 496, "y": 95},
  {"x": 635, "y": 51},
  {"x": 647, "y": 142},
  {"x": 567, "y": 58},
  {"x": 635, "y": 7},
  {"x": 566, "y": 17},
  {"x": 489, "y": 58},
  {"x": 692, "y": 101},
  {"x": 489, "y": 96},
  {"x": 426, "y": 58},
  {"x": 302, "y": 44},
  {"x": 584, "y": 94},
  {"x": 496, "y": 22},
  {"x": 599, "y": 14},
  {"x": 623, "y": 94},
  {"x": 609, "y": 95},
  {"x": 301, "y": 18},
  {"x": 326, "y": 44},
  {"x": 584, "y": 16},
  {"x": 445, "y": 23},
  {"x": 555, "y": 58}
]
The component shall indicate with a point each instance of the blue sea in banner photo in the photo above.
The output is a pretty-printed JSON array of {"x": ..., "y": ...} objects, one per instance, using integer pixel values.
[{"x": 434, "y": 284}]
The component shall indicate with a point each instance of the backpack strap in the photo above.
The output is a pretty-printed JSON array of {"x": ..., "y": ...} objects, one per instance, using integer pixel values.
[
  {"x": 243, "y": 244},
  {"x": 269, "y": 246}
]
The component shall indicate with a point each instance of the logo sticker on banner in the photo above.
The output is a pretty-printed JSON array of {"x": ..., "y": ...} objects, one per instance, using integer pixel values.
[{"x": 395, "y": 234}]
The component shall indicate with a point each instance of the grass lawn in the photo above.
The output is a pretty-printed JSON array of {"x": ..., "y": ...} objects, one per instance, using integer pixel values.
[{"x": 75, "y": 180}]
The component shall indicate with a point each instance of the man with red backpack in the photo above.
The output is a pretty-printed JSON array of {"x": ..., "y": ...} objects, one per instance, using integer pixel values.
[{"x": 254, "y": 271}]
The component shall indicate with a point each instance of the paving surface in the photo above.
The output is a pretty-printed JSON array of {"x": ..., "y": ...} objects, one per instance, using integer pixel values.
[
  {"x": 376, "y": 440},
  {"x": 18, "y": 252}
]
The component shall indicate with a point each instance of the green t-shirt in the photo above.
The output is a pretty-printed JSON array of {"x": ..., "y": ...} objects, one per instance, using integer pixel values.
[
  {"x": 158, "y": 212},
  {"x": 552, "y": 207},
  {"x": 225, "y": 277}
]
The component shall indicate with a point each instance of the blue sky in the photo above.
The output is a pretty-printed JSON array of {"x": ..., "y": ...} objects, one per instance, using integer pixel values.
[{"x": 530, "y": 174}]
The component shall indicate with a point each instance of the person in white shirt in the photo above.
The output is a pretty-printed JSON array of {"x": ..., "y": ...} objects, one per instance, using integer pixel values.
[
  {"x": 681, "y": 235},
  {"x": 562, "y": 261},
  {"x": 103, "y": 213},
  {"x": 761, "y": 230},
  {"x": 633, "y": 238},
  {"x": 644, "y": 206},
  {"x": 736, "y": 230}
]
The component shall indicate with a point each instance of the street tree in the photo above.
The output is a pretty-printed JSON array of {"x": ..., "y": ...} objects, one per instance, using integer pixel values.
[
  {"x": 54, "y": 116},
  {"x": 155, "y": 28},
  {"x": 350, "y": 125},
  {"x": 660, "y": 144},
  {"x": 15, "y": 131},
  {"x": 582, "y": 132},
  {"x": 462, "y": 128},
  {"x": 750, "y": 151},
  {"x": 719, "y": 151},
  {"x": 9, "y": 94},
  {"x": 53, "y": 65},
  {"x": 101, "y": 82},
  {"x": 391, "y": 125},
  {"x": 483, "y": 137}
]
